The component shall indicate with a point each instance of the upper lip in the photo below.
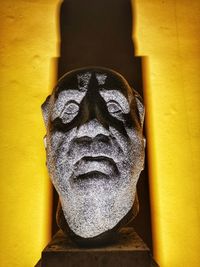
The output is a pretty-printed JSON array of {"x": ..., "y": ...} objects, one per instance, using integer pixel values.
[
  {"x": 84, "y": 165},
  {"x": 98, "y": 158}
]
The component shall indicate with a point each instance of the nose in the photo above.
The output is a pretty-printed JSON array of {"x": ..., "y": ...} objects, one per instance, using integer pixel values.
[{"x": 92, "y": 129}]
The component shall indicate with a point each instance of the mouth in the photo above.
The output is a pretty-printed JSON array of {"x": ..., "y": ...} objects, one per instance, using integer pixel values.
[{"x": 100, "y": 167}]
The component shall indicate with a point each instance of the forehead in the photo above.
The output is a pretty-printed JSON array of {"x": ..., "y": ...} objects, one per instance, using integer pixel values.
[{"x": 93, "y": 80}]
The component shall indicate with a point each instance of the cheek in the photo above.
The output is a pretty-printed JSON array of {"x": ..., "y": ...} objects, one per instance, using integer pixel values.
[
  {"x": 136, "y": 137},
  {"x": 58, "y": 162},
  {"x": 53, "y": 142},
  {"x": 133, "y": 146},
  {"x": 58, "y": 145},
  {"x": 121, "y": 140},
  {"x": 137, "y": 149}
]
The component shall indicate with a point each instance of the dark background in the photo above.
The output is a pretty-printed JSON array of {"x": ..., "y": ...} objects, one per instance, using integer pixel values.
[{"x": 99, "y": 33}]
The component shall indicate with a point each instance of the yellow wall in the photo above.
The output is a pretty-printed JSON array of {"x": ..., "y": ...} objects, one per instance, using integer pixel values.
[
  {"x": 28, "y": 44},
  {"x": 168, "y": 34}
]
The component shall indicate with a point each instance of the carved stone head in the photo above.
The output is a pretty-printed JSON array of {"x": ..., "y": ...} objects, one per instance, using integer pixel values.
[{"x": 95, "y": 149}]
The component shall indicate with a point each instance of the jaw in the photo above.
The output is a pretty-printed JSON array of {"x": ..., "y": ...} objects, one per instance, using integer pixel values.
[
  {"x": 95, "y": 206},
  {"x": 107, "y": 237}
]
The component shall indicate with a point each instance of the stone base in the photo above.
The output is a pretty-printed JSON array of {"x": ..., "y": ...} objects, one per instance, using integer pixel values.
[{"x": 129, "y": 251}]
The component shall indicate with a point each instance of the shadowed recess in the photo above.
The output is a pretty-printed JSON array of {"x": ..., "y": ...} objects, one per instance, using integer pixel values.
[{"x": 99, "y": 33}]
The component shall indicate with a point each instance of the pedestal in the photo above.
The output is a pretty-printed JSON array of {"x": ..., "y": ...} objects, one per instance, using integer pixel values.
[{"x": 129, "y": 251}]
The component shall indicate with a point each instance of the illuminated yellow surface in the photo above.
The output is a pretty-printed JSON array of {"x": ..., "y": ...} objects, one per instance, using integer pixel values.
[
  {"x": 28, "y": 44},
  {"x": 168, "y": 34}
]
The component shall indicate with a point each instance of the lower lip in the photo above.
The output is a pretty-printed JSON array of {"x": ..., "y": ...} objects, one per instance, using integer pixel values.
[
  {"x": 102, "y": 165},
  {"x": 93, "y": 180}
]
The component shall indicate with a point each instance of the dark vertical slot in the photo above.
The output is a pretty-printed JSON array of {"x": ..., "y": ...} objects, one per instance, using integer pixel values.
[{"x": 99, "y": 33}]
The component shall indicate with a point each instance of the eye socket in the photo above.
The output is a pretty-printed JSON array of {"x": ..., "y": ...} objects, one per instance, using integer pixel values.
[
  {"x": 71, "y": 108},
  {"x": 114, "y": 107},
  {"x": 69, "y": 112}
]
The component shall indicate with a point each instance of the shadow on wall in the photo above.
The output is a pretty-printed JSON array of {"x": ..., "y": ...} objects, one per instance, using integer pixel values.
[{"x": 99, "y": 33}]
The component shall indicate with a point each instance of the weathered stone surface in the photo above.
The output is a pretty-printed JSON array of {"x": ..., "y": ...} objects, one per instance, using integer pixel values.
[
  {"x": 129, "y": 251},
  {"x": 95, "y": 151}
]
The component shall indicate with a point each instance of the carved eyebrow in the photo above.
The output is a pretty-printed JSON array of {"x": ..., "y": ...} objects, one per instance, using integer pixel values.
[
  {"x": 117, "y": 96},
  {"x": 83, "y": 80},
  {"x": 101, "y": 78},
  {"x": 63, "y": 98}
]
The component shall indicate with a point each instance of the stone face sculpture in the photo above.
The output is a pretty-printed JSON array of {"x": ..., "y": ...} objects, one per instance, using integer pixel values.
[{"x": 95, "y": 151}]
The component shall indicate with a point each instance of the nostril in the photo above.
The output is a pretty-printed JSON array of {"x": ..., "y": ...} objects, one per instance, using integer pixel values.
[
  {"x": 102, "y": 138},
  {"x": 84, "y": 139}
]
